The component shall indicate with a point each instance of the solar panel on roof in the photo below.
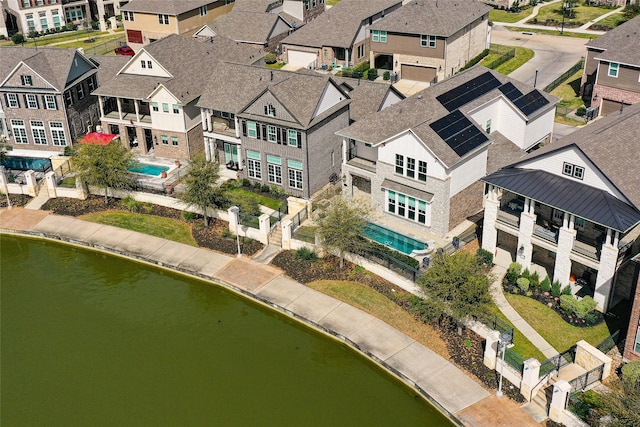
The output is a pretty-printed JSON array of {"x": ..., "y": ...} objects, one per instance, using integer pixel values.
[
  {"x": 531, "y": 102},
  {"x": 458, "y": 132},
  {"x": 468, "y": 91},
  {"x": 510, "y": 91}
]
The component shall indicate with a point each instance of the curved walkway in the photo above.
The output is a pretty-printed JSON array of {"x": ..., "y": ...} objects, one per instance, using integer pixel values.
[{"x": 438, "y": 380}]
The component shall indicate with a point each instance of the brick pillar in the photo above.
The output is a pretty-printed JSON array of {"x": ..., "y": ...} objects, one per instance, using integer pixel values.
[
  {"x": 491, "y": 349},
  {"x": 530, "y": 377},
  {"x": 51, "y": 184},
  {"x": 286, "y": 234},
  {"x": 561, "y": 391},
  {"x": 265, "y": 227}
]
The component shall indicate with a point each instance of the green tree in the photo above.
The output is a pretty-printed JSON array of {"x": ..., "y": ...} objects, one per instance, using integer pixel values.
[
  {"x": 105, "y": 166},
  {"x": 622, "y": 403},
  {"x": 340, "y": 225},
  {"x": 456, "y": 285},
  {"x": 201, "y": 190}
]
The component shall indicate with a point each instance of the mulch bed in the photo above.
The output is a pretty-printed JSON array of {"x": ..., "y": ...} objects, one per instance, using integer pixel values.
[
  {"x": 17, "y": 200},
  {"x": 215, "y": 236}
]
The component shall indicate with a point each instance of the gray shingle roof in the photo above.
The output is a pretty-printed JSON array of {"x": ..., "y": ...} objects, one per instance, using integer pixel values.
[
  {"x": 416, "y": 113},
  {"x": 339, "y": 25},
  {"x": 621, "y": 43},
  {"x": 611, "y": 143},
  {"x": 366, "y": 97},
  {"x": 52, "y": 64},
  {"x": 252, "y": 5},
  {"x": 109, "y": 66},
  {"x": 168, "y": 7},
  {"x": 434, "y": 17},
  {"x": 253, "y": 27}
]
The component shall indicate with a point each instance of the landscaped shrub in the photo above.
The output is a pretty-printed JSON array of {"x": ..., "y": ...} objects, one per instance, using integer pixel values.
[
  {"x": 188, "y": 216},
  {"x": 17, "y": 38},
  {"x": 523, "y": 283},
  {"x": 270, "y": 58},
  {"x": 545, "y": 285},
  {"x": 135, "y": 206},
  {"x": 581, "y": 111},
  {"x": 514, "y": 272},
  {"x": 245, "y": 182},
  {"x": 556, "y": 289},
  {"x": 581, "y": 308},
  {"x": 373, "y": 74},
  {"x": 386, "y": 75},
  {"x": 306, "y": 254},
  {"x": 566, "y": 290},
  {"x": 534, "y": 279},
  {"x": 264, "y": 188},
  {"x": 68, "y": 151},
  {"x": 526, "y": 273},
  {"x": 257, "y": 186},
  {"x": 631, "y": 372},
  {"x": 485, "y": 257}
]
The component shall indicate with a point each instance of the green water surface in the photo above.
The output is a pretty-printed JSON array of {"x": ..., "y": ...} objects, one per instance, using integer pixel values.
[{"x": 89, "y": 339}]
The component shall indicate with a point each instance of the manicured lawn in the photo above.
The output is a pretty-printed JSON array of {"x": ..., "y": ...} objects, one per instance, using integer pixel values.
[
  {"x": 579, "y": 15},
  {"x": 551, "y": 32},
  {"x": 332, "y": 2},
  {"x": 166, "y": 228},
  {"x": 612, "y": 21},
  {"x": 56, "y": 38},
  {"x": 522, "y": 56},
  {"x": 87, "y": 45},
  {"x": 497, "y": 15},
  {"x": 552, "y": 327},
  {"x": 374, "y": 303},
  {"x": 522, "y": 345},
  {"x": 276, "y": 66},
  {"x": 569, "y": 91},
  {"x": 264, "y": 200}
]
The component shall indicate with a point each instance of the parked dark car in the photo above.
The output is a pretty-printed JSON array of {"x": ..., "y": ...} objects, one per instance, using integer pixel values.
[{"x": 125, "y": 51}]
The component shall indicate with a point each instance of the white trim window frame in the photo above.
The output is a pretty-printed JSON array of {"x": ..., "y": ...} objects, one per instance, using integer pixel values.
[
  {"x": 614, "y": 69},
  {"x": 295, "y": 174},
  {"x": 274, "y": 170},
  {"x": 203, "y": 10},
  {"x": 12, "y": 100},
  {"x": 272, "y": 134},
  {"x": 32, "y": 101},
  {"x": 252, "y": 129},
  {"x": 128, "y": 16},
  {"x": 427, "y": 40},
  {"x": 163, "y": 19},
  {"x": 57, "y": 133},
  {"x": 293, "y": 138},
  {"x": 26, "y": 80},
  {"x": 422, "y": 171},
  {"x": 50, "y": 102},
  {"x": 19, "y": 131},
  {"x": 254, "y": 165},
  {"x": 39, "y": 132}
]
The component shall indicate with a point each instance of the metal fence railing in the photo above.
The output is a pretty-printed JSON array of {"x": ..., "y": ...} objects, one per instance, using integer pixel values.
[
  {"x": 495, "y": 323},
  {"x": 586, "y": 379},
  {"x": 570, "y": 72},
  {"x": 610, "y": 342},
  {"x": 249, "y": 220},
  {"x": 504, "y": 57},
  {"x": 556, "y": 362},
  {"x": 514, "y": 360},
  {"x": 391, "y": 263},
  {"x": 299, "y": 218},
  {"x": 105, "y": 47}
]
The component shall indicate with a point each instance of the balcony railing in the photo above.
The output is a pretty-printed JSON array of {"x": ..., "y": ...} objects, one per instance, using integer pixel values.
[
  {"x": 509, "y": 218},
  {"x": 545, "y": 233},
  {"x": 223, "y": 126},
  {"x": 359, "y": 162},
  {"x": 128, "y": 116}
]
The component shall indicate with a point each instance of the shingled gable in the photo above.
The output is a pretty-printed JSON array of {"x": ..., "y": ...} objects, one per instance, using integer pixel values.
[
  {"x": 169, "y": 7},
  {"x": 246, "y": 27},
  {"x": 619, "y": 44}
]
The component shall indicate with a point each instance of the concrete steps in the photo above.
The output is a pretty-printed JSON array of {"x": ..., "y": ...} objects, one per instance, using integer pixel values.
[
  {"x": 538, "y": 408},
  {"x": 275, "y": 238}
]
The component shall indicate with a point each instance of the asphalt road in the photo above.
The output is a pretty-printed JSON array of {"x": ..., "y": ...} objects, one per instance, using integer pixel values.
[{"x": 553, "y": 54}]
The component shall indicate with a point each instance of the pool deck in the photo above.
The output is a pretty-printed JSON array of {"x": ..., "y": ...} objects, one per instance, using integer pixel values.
[{"x": 430, "y": 375}]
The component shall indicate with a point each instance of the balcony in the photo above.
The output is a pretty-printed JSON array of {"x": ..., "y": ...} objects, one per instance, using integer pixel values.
[
  {"x": 128, "y": 116},
  {"x": 223, "y": 126},
  {"x": 359, "y": 162},
  {"x": 128, "y": 110}
]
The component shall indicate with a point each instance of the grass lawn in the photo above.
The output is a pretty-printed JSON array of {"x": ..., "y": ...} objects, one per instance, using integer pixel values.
[
  {"x": 88, "y": 45},
  {"x": 497, "y": 15},
  {"x": 579, "y": 15},
  {"x": 332, "y": 2},
  {"x": 569, "y": 121},
  {"x": 551, "y": 32},
  {"x": 522, "y": 56},
  {"x": 522, "y": 345},
  {"x": 552, "y": 327},
  {"x": 612, "y": 21},
  {"x": 165, "y": 228},
  {"x": 569, "y": 94},
  {"x": 372, "y": 302},
  {"x": 276, "y": 66},
  {"x": 56, "y": 38},
  {"x": 262, "y": 199}
]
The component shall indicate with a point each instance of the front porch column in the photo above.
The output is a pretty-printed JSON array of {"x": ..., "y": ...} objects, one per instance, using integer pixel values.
[
  {"x": 527, "y": 222},
  {"x": 606, "y": 270},
  {"x": 489, "y": 231},
  {"x": 136, "y": 105},
  {"x": 566, "y": 237},
  {"x": 203, "y": 119},
  {"x": 119, "y": 103},
  {"x": 100, "y": 104},
  {"x": 207, "y": 149},
  {"x": 344, "y": 150},
  {"x": 210, "y": 121}
]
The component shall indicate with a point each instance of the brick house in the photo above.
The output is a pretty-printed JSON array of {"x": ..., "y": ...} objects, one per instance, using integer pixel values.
[
  {"x": 25, "y": 16},
  {"x": 632, "y": 343},
  {"x": 419, "y": 161},
  {"x": 573, "y": 207},
  {"x": 430, "y": 40},
  {"x": 611, "y": 76},
  {"x": 46, "y": 96}
]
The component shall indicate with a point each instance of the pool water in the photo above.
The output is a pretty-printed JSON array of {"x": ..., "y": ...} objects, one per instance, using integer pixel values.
[
  {"x": 27, "y": 163},
  {"x": 390, "y": 238},
  {"x": 149, "y": 169}
]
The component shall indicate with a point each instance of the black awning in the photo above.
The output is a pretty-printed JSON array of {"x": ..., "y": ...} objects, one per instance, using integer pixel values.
[{"x": 565, "y": 194}]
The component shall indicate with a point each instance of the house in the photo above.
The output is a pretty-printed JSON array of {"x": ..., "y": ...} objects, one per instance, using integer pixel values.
[
  {"x": 294, "y": 12},
  {"x": 25, "y": 16},
  {"x": 611, "y": 76},
  {"x": 430, "y": 40},
  {"x": 420, "y": 160},
  {"x": 573, "y": 207},
  {"x": 146, "y": 21},
  {"x": 151, "y": 100},
  {"x": 632, "y": 343},
  {"x": 46, "y": 96},
  {"x": 256, "y": 121},
  {"x": 338, "y": 37}
]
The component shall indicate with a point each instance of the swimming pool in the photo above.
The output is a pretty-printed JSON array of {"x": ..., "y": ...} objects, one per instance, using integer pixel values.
[
  {"x": 390, "y": 238},
  {"x": 27, "y": 163},
  {"x": 149, "y": 169}
]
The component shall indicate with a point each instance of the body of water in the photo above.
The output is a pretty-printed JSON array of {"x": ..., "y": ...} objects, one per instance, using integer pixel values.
[
  {"x": 149, "y": 169},
  {"x": 390, "y": 238},
  {"x": 92, "y": 339}
]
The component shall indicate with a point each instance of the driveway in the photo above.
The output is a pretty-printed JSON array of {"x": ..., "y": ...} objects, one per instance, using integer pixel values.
[{"x": 553, "y": 54}]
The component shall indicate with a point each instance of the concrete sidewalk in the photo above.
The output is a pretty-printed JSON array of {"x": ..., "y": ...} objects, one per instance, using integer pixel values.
[
  {"x": 501, "y": 264},
  {"x": 437, "y": 379}
]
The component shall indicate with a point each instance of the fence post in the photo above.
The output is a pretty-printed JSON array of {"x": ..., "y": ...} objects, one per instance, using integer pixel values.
[
  {"x": 286, "y": 234},
  {"x": 30, "y": 178},
  {"x": 561, "y": 391},
  {"x": 530, "y": 377},
  {"x": 491, "y": 349},
  {"x": 265, "y": 228},
  {"x": 50, "y": 177}
]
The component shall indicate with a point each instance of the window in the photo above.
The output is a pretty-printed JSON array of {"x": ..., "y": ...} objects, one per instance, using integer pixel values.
[
  {"x": 26, "y": 80},
  {"x": 579, "y": 223},
  {"x": 407, "y": 207},
  {"x": 254, "y": 165},
  {"x": 154, "y": 106},
  {"x": 91, "y": 82},
  {"x": 360, "y": 51},
  {"x": 637, "y": 346},
  {"x": 411, "y": 167},
  {"x": 271, "y": 134},
  {"x": 19, "y": 131},
  {"x": 26, "y": 3},
  {"x": 251, "y": 130},
  {"x": 270, "y": 110},
  {"x": 30, "y": 22},
  {"x": 40, "y": 2},
  {"x": 43, "y": 20},
  {"x": 391, "y": 201},
  {"x": 149, "y": 65},
  {"x": 274, "y": 169},
  {"x": 411, "y": 211},
  {"x": 557, "y": 216},
  {"x": 573, "y": 170},
  {"x": 422, "y": 212},
  {"x": 57, "y": 133},
  {"x": 165, "y": 139},
  {"x": 203, "y": 10},
  {"x": 402, "y": 204},
  {"x": 295, "y": 174},
  {"x": 143, "y": 64},
  {"x": 306, "y": 4},
  {"x": 39, "y": 133},
  {"x": 613, "y": 69},
  {"x": 176, "y": 109},
  {"x": 56, "y": 17},
  {"x": 428, "y": 41},
  {"x": 50, "y": 102},
  {"x": 12, "y": 100},
  {"x": 165, "y": 107},
  {"x": 314, "y": 3},
  {"x": 488, "y": 128},
  {"x": 128, "y": 16},
  {"x": 379, "y": 36},
  {"x": 422, "y": 171},
  {"x": 399, "y": 164},
  {"x": 114, "y": 129},
  {"x": 80, "y": 91},
  {"x": 163, "y": 19},
  {"x": 174, "y": 141},
  {"x": 293, "y": 137},
  {"x": 31, "y": 101}
]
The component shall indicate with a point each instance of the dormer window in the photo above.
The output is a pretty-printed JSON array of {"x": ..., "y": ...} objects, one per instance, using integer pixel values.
[
  {"x": 146, "y": 64},
  {"x": 26, "y": 80},
  {"x": 573, "y": 170},
  {"x": 270, "y": 110}
]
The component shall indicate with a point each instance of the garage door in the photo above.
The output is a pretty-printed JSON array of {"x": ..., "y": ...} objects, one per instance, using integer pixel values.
[
  {"x": 414, "y": 72},
  {"x": 609, "y": 107},
  {"x": 301, "y": 59}
]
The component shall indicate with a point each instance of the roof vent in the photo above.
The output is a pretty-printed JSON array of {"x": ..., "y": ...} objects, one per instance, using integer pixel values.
[{"x": 419, "y": 96}]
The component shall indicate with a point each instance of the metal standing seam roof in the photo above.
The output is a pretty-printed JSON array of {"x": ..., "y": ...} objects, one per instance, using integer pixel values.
[{"x": 584, "y": 201}]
